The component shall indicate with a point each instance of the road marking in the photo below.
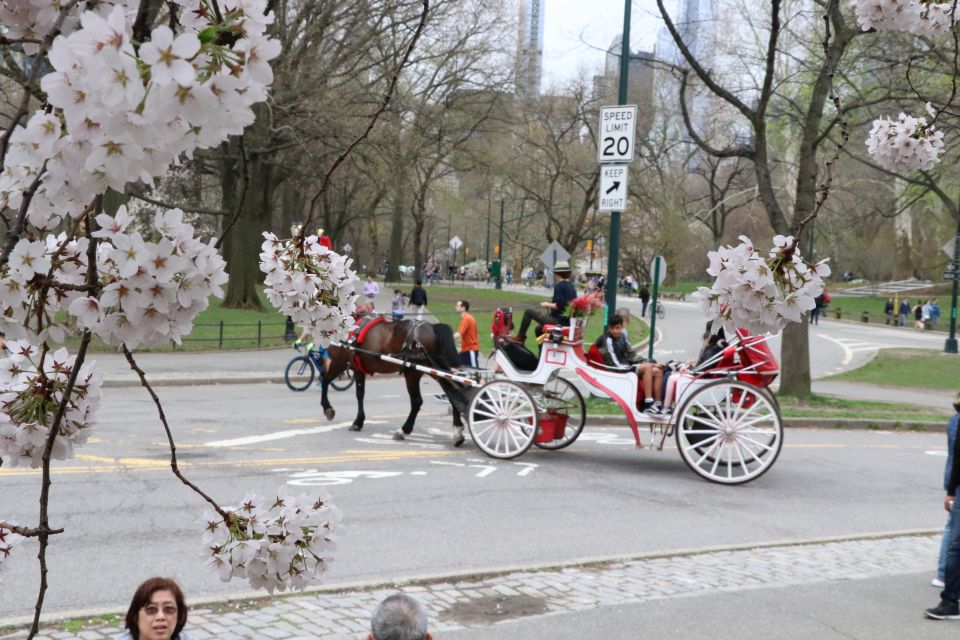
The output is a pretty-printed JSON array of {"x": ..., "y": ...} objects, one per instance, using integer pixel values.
[
  {"x": 528, "y": 470},
  {"x": 942, "y": 454},
  {"x": 314, "y": 478},
  {"x": 847, "y": 353},
  {"x": 146, "y": 464},
  {"x": 280, "y": 435}
]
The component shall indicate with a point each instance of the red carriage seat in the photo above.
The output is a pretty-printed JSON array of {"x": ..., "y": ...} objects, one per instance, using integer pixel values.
[{"x": 761, "y": 366}]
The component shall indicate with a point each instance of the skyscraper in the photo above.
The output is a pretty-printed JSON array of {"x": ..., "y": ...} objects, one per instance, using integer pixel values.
[{"x": 530, "y": 48}]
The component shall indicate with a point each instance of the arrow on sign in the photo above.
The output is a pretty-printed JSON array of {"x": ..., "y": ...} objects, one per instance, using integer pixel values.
[{"x": 614, "y": 187}]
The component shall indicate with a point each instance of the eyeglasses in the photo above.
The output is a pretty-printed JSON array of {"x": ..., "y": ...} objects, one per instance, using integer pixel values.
[{"x": 152, "y": 610}]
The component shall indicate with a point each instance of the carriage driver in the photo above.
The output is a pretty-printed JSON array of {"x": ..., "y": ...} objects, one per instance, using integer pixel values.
[{"x": 563, "y": 293}]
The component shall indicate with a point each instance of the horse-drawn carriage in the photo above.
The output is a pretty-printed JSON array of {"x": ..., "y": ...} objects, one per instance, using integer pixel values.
[{"x": 726, "y": 423}]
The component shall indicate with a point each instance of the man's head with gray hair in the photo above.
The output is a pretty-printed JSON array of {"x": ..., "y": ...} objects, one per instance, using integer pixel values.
[{"x": 399, "y": 617}]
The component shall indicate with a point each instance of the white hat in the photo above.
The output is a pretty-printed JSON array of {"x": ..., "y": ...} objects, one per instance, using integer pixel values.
[{"x": 561, "y": 266}]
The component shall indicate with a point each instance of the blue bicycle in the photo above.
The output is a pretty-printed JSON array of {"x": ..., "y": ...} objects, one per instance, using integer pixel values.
[{"x": 302, "y": 369}]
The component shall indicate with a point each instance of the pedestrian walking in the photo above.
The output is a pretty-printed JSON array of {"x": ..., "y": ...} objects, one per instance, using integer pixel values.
[
  {"x": 397, "y": 303},
  {"x": 644, "y": 299},
  {"x": 918, "y": 317},
  {"x": 371, "y": 288},
  {"x": 818, "y": 304},
  {"x": 399, "y": 617},
  {"x": 945, "y": 540},
  {"x": 934, "y": 313},
  {"x": 157, "y": 612},
  {"x": 888, "y": 311},
  {"x": 468, "y": 336},
  {"x": 903, "y": 311},
  {"x": 949, "y": 608},
  {"x": 418, "y": 299}
]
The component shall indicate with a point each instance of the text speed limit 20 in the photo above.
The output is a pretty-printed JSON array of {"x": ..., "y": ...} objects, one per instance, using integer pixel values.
[{"x": 618, "y": 127}]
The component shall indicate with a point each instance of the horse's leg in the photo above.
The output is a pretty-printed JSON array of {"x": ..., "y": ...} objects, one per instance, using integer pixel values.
[
  {"x": 324, "y": 402},
  {"x": 412, "y": 379},
  {"x": 457, "y": 428},
  {"x": 361, "y": 383}
]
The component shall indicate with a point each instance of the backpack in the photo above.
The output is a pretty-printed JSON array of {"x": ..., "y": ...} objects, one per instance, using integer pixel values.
[{"x": 502, "y": 323}]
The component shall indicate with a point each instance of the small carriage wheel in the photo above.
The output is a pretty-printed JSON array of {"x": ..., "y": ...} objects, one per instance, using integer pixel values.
[
  {"x": 299, "y": 373},
  {"x": 343, "y": 381},
  {"x": 729, "y": 432},
  {"x": 661, "y": 310},
  {"x": 560, "y": 396},
  {"x": 502, "y": 418}
]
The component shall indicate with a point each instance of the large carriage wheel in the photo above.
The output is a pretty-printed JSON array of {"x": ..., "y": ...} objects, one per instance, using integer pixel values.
[
  {"x": 561, "y": 399},
  {"x": 729, "y": 432},
  {"x": 502, "y": 418}
]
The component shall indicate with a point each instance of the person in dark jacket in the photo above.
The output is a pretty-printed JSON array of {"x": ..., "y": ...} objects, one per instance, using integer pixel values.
[
  {"x": 418, "y": 299},
  {"x": 645, "y": 299},
  {"x": 949, "y": 609},
  {"x": 888, "y": 311},
  {"x": 563, "y": 294}
]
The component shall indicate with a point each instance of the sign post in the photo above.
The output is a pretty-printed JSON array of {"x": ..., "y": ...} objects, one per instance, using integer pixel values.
[
  {"x": 659, "y": 270},
  {"x": 621, "y": 150}
]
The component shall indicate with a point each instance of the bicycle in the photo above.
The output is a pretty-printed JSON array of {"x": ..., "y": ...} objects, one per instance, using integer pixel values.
[
  {"x": 302, "y": 369},
  {"x": 660, "y": 310}
]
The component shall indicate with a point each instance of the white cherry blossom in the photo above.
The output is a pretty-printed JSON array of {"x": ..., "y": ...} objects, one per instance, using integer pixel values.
[
  {"x": 907, "y": 144},
  {"x": 277, "y": 543}
]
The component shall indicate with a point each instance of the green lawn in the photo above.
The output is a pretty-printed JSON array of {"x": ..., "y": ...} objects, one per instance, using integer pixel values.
[
  {"x": 819, "y": 406},
  {"x": 483, "y": 302},
  {"x": 909, "y": 368},
  {"x": 852, "y": 308}
]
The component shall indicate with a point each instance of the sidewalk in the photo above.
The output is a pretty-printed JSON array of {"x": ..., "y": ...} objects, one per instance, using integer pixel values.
[{"x": 701, "y": 593}]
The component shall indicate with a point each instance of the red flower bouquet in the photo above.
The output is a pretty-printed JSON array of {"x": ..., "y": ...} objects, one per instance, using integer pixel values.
[{"x": 585, "y": 305}]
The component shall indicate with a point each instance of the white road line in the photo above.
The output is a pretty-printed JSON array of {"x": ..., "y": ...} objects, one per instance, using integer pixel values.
[
  {"x": 847, "y": 352},
  {"x": 280, "y": 435}
]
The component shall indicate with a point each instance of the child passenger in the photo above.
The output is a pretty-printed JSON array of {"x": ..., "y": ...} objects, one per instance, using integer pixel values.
[
  {"x": 398, "y": 302},
  {"x": 616, "y": 352}
]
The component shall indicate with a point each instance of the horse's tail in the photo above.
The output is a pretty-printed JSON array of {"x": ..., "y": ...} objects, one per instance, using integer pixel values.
[{"x": 445, "y": 353}]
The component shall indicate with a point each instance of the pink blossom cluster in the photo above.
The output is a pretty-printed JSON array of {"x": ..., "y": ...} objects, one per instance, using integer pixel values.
[
  {"x": 284, "y": 541},
  {"x": 919, "y": 17},
  {"x": 35, "y": 19},
  {"x": 8, "y": 540},
  {"x": 149, "y": 292},
  {"x": 757, "y": 293},
  {"x": 907, "y": 144},
  {"x": 127, "y": 114},
  {"x": 32, "y": 385},
  {"x": 310, "y": 283}
]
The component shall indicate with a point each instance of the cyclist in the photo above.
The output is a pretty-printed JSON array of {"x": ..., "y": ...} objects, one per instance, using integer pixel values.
[{"x": 322, "y": 354}]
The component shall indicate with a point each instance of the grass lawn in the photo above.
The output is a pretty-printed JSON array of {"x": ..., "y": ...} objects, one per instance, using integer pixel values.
[
  {"x": 908, "y": 368},
  {"x": 483, "y": 302},
  {"x": 819, "y": 406},
  {"x": 852, "y": 308}
]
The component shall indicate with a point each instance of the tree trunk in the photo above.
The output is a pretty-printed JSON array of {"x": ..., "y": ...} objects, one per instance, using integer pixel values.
[
  {"x": 396, "y": 231},
  {"x": 795, "y": 360},
  {"x": 246, "y": 238}
]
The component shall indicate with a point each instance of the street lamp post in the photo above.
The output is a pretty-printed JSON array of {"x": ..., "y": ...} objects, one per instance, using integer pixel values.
[{"x": 951, "y": 344}]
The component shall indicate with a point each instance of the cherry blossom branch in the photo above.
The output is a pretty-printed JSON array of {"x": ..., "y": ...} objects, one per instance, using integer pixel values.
[
  {"x": 166, "y": 426},
  {"x": 17, "y": 230},
  {"x": 245, "y": 181},
  {"x": 27, "y": 93},
  {"x": 824, "y": 190},
  {"x": 28, "y": 532},
  {"x": 43, "y": 534},
  {"x": 388, "y": 96}
]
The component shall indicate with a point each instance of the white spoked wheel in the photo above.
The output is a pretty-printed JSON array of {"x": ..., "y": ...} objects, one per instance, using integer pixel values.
[
  {"x": 502, "y": 418},
  {"x": 559, "y": 399},
  {"x": 729, "y": 432}
]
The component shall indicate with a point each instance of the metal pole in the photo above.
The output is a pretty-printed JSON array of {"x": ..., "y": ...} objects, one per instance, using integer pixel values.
[
  {"x": 486, "y": 263},
  {"x": 612, "y": 267},
  {"x": 500, "y": 245},
  {"x": 653, "y": 309},
  {"x": 951, "y": 344}
]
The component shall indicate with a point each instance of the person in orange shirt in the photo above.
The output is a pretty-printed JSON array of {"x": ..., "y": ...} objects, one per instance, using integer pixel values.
[{"x": 467, "y": 334}]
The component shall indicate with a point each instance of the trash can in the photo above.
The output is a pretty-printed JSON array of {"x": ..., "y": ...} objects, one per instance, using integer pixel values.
[{"x": 865, "y": 316}]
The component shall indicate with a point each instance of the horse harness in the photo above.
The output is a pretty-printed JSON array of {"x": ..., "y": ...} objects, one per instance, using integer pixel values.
[{"x": 411, "y": 349}]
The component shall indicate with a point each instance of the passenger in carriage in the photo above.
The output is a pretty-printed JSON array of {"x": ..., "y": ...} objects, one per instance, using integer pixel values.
[
  {"x": 713, "y": 344},
  {"x": 616, "y": 352}
]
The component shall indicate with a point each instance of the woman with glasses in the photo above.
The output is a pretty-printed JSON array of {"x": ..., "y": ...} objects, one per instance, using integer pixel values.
[{"x": 157, "y": 612}]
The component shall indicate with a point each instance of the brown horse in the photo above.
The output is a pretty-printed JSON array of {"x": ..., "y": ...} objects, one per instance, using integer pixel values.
[{"x": 416, "y": 342}]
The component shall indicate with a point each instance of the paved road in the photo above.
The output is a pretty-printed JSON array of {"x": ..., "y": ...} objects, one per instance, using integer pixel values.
[{"x": 421, "y": 507}]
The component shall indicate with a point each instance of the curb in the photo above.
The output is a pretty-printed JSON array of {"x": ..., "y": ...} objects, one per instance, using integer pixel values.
[{"x": 452, "y": 577}]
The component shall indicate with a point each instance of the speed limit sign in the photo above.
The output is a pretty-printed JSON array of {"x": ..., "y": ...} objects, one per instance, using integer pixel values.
[{"x": 618, "y": 126}]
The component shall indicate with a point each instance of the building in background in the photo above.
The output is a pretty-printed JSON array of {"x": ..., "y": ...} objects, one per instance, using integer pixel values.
[
  {"x": 530, "y": 48},
  {"x": 640, "y": 75}
]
